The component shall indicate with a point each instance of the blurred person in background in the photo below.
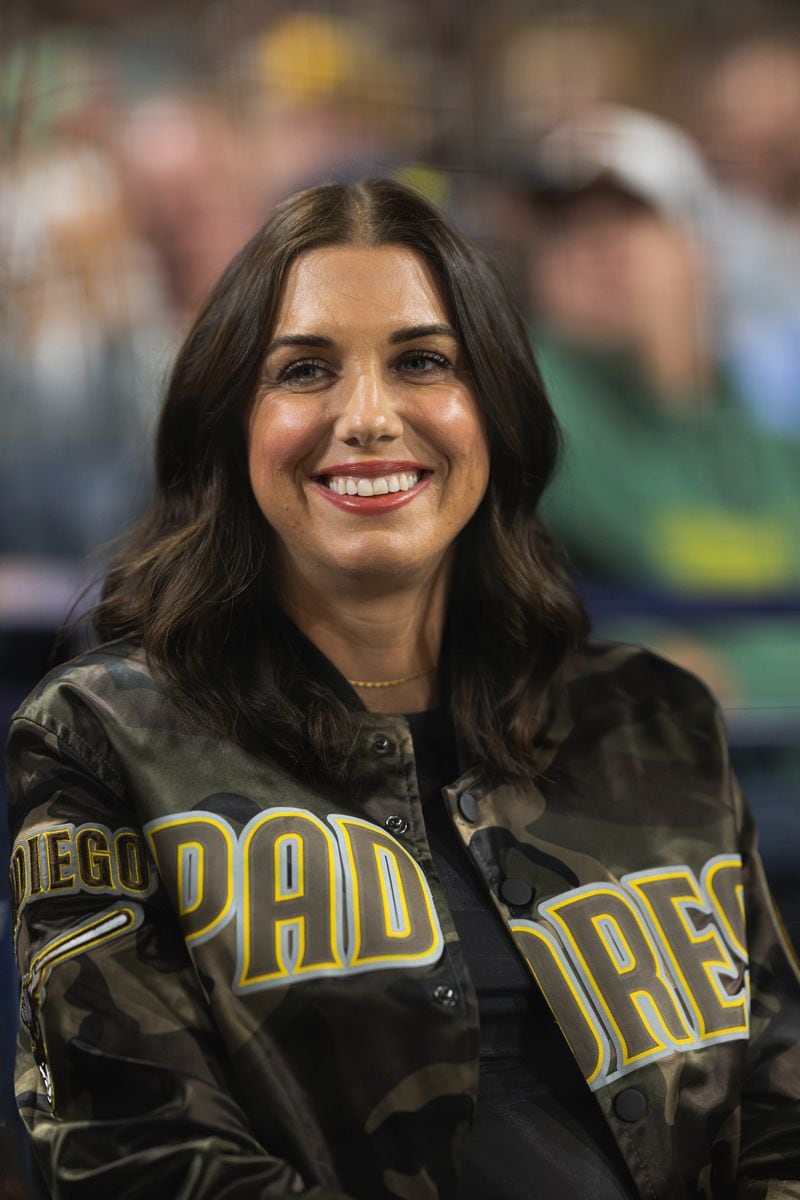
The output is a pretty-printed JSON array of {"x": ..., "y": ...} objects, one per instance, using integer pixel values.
[
  {"x": 328, "y": 96},
  {"x": 745, "y": 109},
  {"x": 83, "y": 314},
  {"x": 747, "y": 115},
  {"x": 82, "y": 332},
  {"x": 668, "y": 482},
  {"x": 190, "y": 175},
  {"x": 550, "y": 71},
  {"x": 541, "y": 74},
  {"x": 740, "y": 97}
]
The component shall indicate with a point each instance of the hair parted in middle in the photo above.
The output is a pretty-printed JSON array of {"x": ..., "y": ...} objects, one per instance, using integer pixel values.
[{"x": 197, "y": 580}]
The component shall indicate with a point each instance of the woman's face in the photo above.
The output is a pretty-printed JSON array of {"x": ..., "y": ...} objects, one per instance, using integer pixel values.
[{"x": 367, "y": 450}]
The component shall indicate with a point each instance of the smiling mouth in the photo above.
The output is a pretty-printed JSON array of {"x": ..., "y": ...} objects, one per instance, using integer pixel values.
[
  {"x": 370, "y": 492},
  {"x": 380, "y": 485}
]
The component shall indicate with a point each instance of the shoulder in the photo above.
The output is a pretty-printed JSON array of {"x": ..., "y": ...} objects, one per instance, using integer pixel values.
[
  {"x": 76, "y": 707},
  {"x": 115, "y": 674},
  {"x": 633, "y": 671},
  {"x": 632, "y": 693}
]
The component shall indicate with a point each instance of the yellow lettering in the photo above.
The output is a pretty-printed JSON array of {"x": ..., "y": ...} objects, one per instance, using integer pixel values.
[
  {"x": 203, "y": 898},
  {"x": 606, "y": 936},
  {"x": 392, "y": 918},
  {"x": 697, "y": 955},
  {"x": 94, "y": 858},
  {"x": 60, "y": 869},
  {"x": 290, "y": 923},
  {"x": 722, "y": 882}
]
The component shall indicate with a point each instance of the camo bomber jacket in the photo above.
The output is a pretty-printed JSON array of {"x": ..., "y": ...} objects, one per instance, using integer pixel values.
[{"x": 234, "y": 984}]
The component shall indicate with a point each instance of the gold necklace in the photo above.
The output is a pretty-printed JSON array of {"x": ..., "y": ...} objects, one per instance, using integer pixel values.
[{"x": 364, "y": 683}]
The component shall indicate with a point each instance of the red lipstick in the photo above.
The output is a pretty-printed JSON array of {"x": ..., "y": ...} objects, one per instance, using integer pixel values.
[
  {"x": 371, "y": 505},
  {"x": 372, "y": 469}
]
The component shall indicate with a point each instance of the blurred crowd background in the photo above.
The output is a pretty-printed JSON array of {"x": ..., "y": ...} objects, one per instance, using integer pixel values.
[{"x": 635, "y": 169}]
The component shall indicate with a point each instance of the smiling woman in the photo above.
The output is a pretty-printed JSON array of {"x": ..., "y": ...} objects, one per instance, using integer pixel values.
[{"x": 344, "y": 811}]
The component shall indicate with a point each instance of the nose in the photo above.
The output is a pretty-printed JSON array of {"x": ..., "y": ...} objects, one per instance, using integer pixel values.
[{"x": 369, "y": 413}]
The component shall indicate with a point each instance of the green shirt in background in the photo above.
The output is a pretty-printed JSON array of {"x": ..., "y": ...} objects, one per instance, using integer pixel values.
[{"x": 691, "y": 499}]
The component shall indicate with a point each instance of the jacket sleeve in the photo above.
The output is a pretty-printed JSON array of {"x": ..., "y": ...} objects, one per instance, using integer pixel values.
[
  {"x": 121, "y": 1075},
  {"x": 769, "y": 1155}
]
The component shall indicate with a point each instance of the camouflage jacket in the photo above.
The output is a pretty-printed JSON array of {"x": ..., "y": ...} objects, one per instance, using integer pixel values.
[{"x": 238, "y": 985}]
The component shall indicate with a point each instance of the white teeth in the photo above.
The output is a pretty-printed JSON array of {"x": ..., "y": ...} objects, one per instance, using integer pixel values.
[{"x": 348, "y": 486}]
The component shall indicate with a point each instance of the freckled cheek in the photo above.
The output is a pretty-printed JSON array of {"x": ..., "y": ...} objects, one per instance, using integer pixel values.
[
  {"x": 280, "y": 442},
  {"x": 459, "y": 433}
]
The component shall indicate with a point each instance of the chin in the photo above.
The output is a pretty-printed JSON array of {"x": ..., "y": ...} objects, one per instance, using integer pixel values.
[
  {"x": 376, "y": 566},
  {"x": 383, "y": 563}
]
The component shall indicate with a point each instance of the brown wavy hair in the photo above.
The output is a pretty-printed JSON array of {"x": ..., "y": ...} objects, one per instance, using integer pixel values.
[{"x": 196, "y": 582}]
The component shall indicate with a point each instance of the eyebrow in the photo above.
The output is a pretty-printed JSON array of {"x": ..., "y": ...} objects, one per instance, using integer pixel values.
[
  {"x": 300, "y": 339},
  {"x": 412, "y": 332},
  {"x": 409, "y": 333}
]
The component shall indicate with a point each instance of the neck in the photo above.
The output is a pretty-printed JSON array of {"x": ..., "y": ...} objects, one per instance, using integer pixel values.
[{"x": 376, "y": 635}]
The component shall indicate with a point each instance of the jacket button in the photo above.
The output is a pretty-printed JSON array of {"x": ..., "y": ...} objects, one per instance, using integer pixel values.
[
  {"x": 381, "y": 745},
  {"x": 396, "y": 824},
  {"x": 445, "y": 995},
  {"x": 468, "y": 807},
  {"x": 630, "y": 1105},
  {"x": 516, "y": 892}
]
